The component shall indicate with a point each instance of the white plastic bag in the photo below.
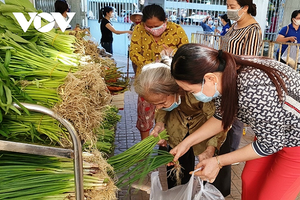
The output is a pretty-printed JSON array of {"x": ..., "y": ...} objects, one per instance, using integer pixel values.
[
  {"x": 193, "y": 190},
  {"x": 292, "y": 55}
]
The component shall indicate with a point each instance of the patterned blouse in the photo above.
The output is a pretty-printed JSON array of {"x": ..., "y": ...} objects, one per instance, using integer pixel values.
[
  {"x": 276, "y": 124},
  {"x": 243, "y": 41},
  {"x": 187, "y": 118},
  {"x": 144, "y": 49}
]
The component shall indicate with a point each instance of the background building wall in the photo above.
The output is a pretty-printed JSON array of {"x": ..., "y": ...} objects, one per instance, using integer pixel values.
[
  {"x": 289, "y": 7},
  {"x": 261, "y": 13}
]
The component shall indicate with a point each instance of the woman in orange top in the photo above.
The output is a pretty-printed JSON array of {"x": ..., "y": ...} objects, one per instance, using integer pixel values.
[{"x": 151, "y": 38}]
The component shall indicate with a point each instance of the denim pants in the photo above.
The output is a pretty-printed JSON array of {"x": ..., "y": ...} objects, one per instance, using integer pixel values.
[{"x": 107, "y": 46}]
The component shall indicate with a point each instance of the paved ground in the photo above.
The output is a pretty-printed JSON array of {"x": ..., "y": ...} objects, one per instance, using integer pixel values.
[{"x": 128, "y": 135}]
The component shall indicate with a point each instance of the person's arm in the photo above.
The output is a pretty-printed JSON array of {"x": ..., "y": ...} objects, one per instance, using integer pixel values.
[
  {"x": 211, "y": 166},
  {"x": 170, "y": 51},
  {"x": 210, "y": 128},
  {"x": 253, "y": 42},
  {"x": 111, "y": 28},
  {"x": 216, "y": 141},
  {"x": 282, "y": 35},
  {"x": 281, "y": 38},
  {"x": 208, "y": 153},
  {"x": 205, "y": 19},
  {"x": 160, "y": 120}
]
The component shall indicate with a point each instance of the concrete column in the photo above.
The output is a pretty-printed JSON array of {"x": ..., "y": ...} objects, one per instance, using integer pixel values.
[
  {"x": 78, "y": 8},
  {"x": 261, "y": 13},
  {"x": 289, "y": 7}
]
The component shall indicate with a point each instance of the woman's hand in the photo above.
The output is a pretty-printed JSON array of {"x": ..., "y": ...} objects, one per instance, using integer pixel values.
[
  {"x": 208, "y": 153},
  {"x": 159, "y": 127},
  {"x": 210, "y": 169},
  {"x": 291, "y": 39},
  {"x": 167, "y": 51},
  {"x": 178, "y": 151}
]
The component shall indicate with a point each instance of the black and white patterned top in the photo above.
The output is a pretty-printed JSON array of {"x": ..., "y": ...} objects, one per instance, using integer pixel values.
[{"x": 276, "y": 124}]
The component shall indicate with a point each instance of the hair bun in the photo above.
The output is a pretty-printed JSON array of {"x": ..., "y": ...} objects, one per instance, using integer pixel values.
[{"x": 253, "y": 9}]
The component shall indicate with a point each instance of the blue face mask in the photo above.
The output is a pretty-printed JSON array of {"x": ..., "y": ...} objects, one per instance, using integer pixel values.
[
  {"x": 203, "y": 98},
  {"x": 174, "y": 105}
]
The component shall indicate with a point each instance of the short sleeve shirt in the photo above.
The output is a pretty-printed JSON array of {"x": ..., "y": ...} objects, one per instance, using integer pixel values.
[
  {"x": 106, "y": 33},
  {"x": 288, "y": 33},
  {"x": 225, "y": 29}
]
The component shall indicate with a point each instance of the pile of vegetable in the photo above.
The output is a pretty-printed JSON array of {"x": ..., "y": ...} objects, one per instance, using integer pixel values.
[
  {"x": 40, "y": 177},
  {"x": 106, "y": 133},
  {"x": 42, "y": 68},
  {"x": 58, "y": 71}
]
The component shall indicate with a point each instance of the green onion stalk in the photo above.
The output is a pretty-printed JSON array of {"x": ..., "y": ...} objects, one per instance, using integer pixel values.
[
  {"x": 41, "y": 177},
  {"x": 142, "y": 168},
  {"x": 33, "y": 128},
  {"x": 136, "y": 162},
  {"x": 65, "y": 58},
  {"x": 123, "y": 161}
]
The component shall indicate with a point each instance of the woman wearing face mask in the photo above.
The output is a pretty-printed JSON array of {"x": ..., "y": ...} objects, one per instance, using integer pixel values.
[
  {"x": 153, "y": 36},
  {"x": 289, "y": 33},
  {"x": 180, "y": 113},
  {"x": 107, "y": 29},
  {"x": 261, "y": 92},
  {"x": 226, "y": 23},
  {"x": 244, "y": 37}
]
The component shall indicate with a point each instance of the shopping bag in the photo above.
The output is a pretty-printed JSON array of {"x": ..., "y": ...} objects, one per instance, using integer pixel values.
[
  {"x": 292, "y": 55},
  {"x": 193, "y": 190}
]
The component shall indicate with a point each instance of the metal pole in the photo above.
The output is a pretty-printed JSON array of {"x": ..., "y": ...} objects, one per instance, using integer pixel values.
[{"x": 78, "y": 163}]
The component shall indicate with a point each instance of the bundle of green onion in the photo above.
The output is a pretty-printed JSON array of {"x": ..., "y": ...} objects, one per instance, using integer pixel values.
[
  {"x": 41, "y": 177},
  {"x": 123, "y": 161},
  {"x": 139, "y": 170},
  {"x": 137, "y": 161}
]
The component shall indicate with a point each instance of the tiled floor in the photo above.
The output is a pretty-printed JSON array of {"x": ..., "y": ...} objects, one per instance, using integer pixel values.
[{"x": 128, "y": 135}]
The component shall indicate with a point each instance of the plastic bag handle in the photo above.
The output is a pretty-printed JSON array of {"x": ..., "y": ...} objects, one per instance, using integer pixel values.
[{"x": 200, "y": 181}]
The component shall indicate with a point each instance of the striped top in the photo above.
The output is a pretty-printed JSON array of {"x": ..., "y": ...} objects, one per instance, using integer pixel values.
[{"x": 243, "y": 41}]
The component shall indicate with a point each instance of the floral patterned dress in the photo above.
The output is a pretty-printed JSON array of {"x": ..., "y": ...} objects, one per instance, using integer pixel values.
[{"x": 144, "y": 50}]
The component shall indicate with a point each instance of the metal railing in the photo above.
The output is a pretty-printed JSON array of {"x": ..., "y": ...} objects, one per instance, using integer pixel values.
[
  {"x": 269, "y": 48},
  {"x": 75, "y": 153}
]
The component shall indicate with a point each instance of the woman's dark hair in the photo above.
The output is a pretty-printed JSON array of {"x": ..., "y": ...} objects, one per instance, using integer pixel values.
[
  {"x": 61, "y": 6},
  {"x": 250, "y": 4},
  {"x": 192, "y": 61},
  {"x": 225, "y": 18},
  {"x": 294, "y": 14},
  {"x": 153, "y": 10},
  {"x": 104, "y": 11}
]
